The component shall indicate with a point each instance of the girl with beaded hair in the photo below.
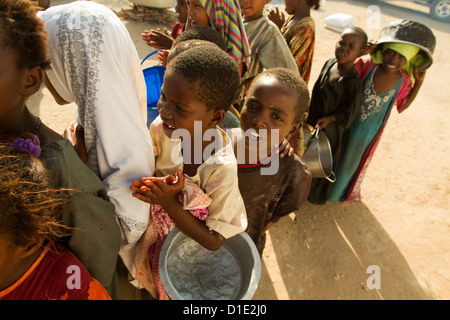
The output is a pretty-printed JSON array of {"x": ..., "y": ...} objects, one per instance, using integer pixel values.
[
  {"x": 33, "y": 264},
  {"x": 23, "y": 55}
]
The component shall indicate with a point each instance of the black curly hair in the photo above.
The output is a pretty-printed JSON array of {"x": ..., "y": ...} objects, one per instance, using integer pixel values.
[
  {"x": 22, "y": 31},
  {"x": 361, "y": 32},
  {"x": 202, "y": 33},
  {"x": 293, "y": 80},
  {"x": 186, "y": 45},
  {"x": 315, "y": 4},
  {"x": 213, "y": 72}
]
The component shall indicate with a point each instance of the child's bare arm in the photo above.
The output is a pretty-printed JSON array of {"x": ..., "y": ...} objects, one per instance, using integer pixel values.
[
  {"x": 268, "y": 225},
  {"x": 277, "y": 17},
  {"x": 76, "y": 138},
  {"x": 323, "y": 122},
  {"x": 370, "y": 46},
  {"x": 193, "y": 227},
  {"x": 157, "y": 38},
  {"x": 285, "y": 148},
  {"x": 162, "y": 56},
  {"x": 419, "y": 78},
  {"x": 164, "y": 193}
]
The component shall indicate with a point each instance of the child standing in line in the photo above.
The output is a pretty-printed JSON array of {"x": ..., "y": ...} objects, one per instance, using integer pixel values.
[
  {"x": 268, "y": 47},
  {"x": 199, "y": 86},
  {"x": 388, "y": 75},
  {"x": 200, "y": 35},
  {"x": 224, "y": 16},
  {"x": 276, "y": 101},
  {"x": 150, "y": 245},
  {"x": 162, "y": 39},
  {"x": 23, "y": 55},
  {"x": 33, "y": 266},
  {"x": 336, "y": 100},
  {"x": 299, "y": 32}
]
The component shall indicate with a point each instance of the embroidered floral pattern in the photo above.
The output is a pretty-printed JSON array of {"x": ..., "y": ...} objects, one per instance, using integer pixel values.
[
  {"x": 81, "y": 59},
  {"x": 372, "y": 101},
  {"x": 132, "y": 228}
]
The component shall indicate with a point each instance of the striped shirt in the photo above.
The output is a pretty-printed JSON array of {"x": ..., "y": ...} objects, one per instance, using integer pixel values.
[
  {"x": 225, "y": 16},
  {"x": 300, "y": 38},
  {"x": 268, "y": 47}
]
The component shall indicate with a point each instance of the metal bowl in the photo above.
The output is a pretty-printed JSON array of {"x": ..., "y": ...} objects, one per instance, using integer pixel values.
[
  {"x": 412, "y": 32},
  {"x": 240, "y": 247},
  {"x": 318, "y": 156}
]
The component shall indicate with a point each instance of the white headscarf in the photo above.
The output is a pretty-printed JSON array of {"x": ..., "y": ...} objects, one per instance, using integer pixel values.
[{"x": 95, "y": 64}]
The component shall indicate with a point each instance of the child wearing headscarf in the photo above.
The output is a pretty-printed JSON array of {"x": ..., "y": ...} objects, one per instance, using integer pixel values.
[
  {"x": 390, "y": 77},
  {"x": 224, "y": 16}
]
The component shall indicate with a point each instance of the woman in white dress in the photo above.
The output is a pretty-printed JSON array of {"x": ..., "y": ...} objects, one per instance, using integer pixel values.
[{"x": 94, "y": 64}]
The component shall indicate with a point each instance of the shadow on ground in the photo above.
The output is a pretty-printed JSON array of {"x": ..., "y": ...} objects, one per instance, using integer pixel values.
[{"x": 323, "y": 252}]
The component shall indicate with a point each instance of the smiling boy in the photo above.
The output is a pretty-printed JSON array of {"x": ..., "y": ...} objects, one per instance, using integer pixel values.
[
  {"x": 198, "y": 88},
  {"x": 277, "y": 102}
]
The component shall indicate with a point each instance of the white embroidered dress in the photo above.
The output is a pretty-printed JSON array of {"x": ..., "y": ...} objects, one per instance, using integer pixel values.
[{"x": 95, "y": 64}]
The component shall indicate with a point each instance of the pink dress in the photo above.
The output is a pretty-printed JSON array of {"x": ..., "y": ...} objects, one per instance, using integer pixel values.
[{"x": 149, "y": 247}]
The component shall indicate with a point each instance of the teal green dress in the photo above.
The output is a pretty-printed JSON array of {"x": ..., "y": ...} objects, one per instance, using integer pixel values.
[{"x": 374, "y": 109}]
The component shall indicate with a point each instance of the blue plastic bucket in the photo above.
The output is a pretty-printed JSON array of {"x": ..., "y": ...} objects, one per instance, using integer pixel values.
[{"x": 154, "y": 76}]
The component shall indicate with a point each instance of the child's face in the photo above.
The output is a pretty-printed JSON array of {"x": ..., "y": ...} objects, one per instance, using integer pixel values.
[
  {"x": 349, "y": 47},
  {"x": 252, "y": 9},
  {"x": 12, "y": 83},
  {"x": 291, "y": 5},
  {"x": 197, "y": 14},
  {"x": 179, "y": 106},
  {"x": 270, "y": 105},
  {"x": 182, "y": 10},
  {"x": 393, "y": 61}
]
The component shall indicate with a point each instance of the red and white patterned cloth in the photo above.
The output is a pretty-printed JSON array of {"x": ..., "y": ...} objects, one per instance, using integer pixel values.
[{"x": 149, "y": 247}]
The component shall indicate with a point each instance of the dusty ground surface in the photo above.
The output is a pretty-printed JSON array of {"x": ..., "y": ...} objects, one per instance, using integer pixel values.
[{"x": 402, "y": 224}]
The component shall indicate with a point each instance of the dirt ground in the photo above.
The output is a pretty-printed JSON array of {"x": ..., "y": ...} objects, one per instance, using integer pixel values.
[{"x": 402, "y": 224}]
